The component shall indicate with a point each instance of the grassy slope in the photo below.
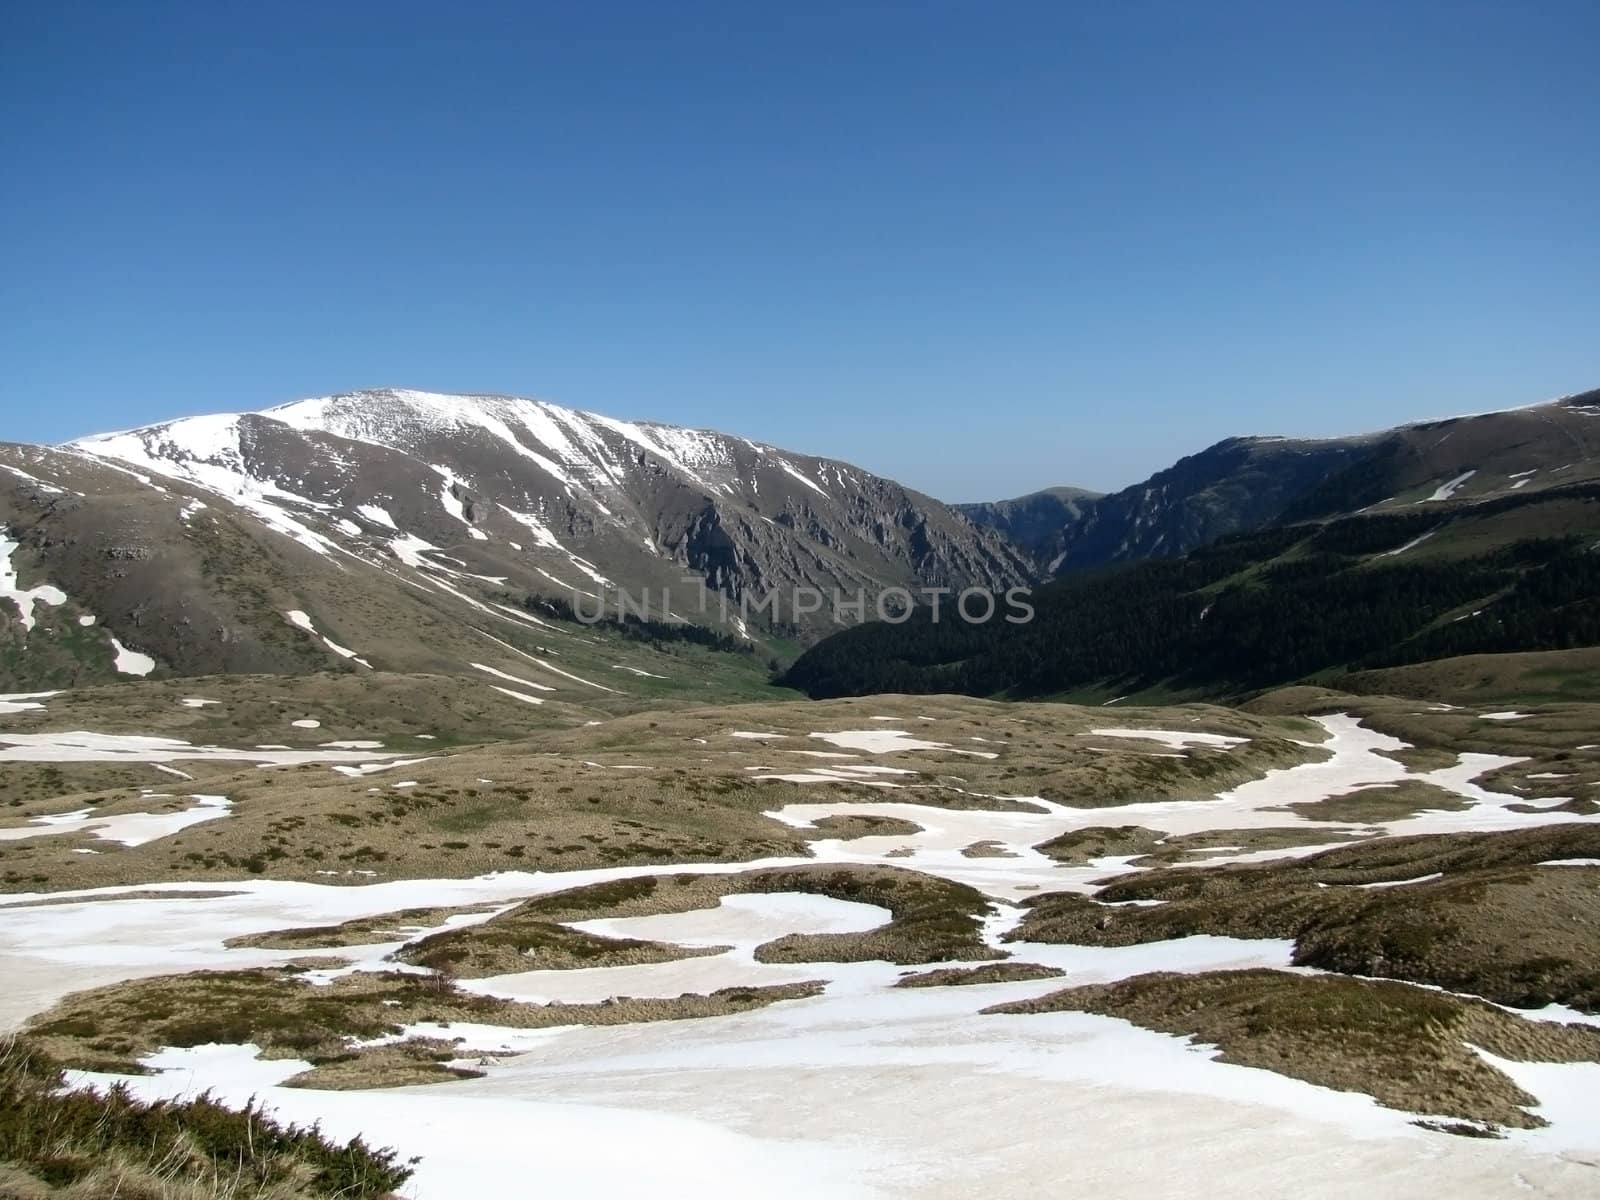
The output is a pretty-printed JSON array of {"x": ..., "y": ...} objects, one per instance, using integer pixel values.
[{"x": 1257, "y": 610}]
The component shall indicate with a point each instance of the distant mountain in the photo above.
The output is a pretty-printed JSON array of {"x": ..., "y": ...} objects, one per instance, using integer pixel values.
[
  {"x": 1253, "y": 482},
  {"x": 189, "y": 540},
  {"x": 1264, "y": 561},
  {"x": 404, "y": 529},
  {"x": 1034, "y": 522},
  {"x": 1250, "y": 611}
]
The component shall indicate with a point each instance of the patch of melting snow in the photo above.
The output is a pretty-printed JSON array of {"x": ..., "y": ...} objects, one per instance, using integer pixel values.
[
  {"x": 541, "y": 532},
  {"x": 377, "y": 515},
  {"x": 512, "y": 1145},
  {"x": 26, "y": 478},
  {"x": 197, "y": 702},
  {"x": 1391, "y": 883},
  {"x": 82, "y": 746},
  {"x": 372, "y": 768},
  {"x": 206, "y": 451},
  {"x": 132, "y": 662},
  {"x": 890, "y": 741},
  {"x": 87, "y": 619},
  {"x": 636, "y": 671},
  {"x": 517, "y": 679},
  {"x": 1411, "y": 545},
  {"x": 567, "y": 674},
  {"x": 301, "y": 621},
  {"x": 516, "y": 695},
  {"x": 15, "y": 702},
  {"x": 1104, "y": 1078},
  {"x": 1505, "y": 716},
  {"x": 1565, "y": 1093},
  {"x": 794, "y": 473},
  {"x": 129, "y": 829},
  {"x": 1178, "y": 739},
  {"x": 1446, "y": 490},
  {"x": 24, "y": 598},
  {"x": 307, "y": 723}
]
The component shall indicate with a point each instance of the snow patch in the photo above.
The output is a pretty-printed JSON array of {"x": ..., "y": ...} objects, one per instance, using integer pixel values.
[
  {"x": 24, "y": 598},
  {"x": 1446, "y": 490},
  {"x": 132, "y": 662}
]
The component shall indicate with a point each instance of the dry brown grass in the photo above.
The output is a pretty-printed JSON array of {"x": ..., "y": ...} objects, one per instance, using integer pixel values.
[
  {"x": 361, "y": 931},
  {"x": 400, "y": 1064},
  {"x": 1079, "y": 847},
  {"x": 932, "y": 919},
  {"x": 1216, "y": 843},
  {"x": 516, "y": 941},
  {"x": 1149, "y": 847},
  {"x": 864, "y": 825},
  {"x": 1406, "y": 1047},
  {"x": 987, "y": 849},
  {"x": 1496, "y": 925},
  {"x": 1371, "y": 805},
  {"x": 649, "y": 788},
  {"x": 1000, "y": 972},
  {"x": 111, "y": 1028}
]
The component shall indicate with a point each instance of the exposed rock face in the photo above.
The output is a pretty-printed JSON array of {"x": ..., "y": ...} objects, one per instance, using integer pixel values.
[
  {"x": 479, "y": 499},
  {"x": 1033, "y": 522}
]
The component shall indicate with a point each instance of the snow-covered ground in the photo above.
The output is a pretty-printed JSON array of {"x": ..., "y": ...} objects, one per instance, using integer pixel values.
[
  {"x": 82, "y": 746},
  {"x": 866, "y": 1090},
  {"x": 130, "y": 829},
  {"x": 24, "y": 598}
]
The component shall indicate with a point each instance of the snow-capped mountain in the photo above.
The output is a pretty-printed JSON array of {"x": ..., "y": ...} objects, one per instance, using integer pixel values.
[{"x": 481, "y": 501}]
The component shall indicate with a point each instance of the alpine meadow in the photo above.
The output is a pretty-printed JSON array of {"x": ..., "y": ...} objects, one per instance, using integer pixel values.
[{"x": 715, "y": 602}]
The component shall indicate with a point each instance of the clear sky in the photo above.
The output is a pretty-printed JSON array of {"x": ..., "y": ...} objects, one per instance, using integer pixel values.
[{"x": 981, "y": 248}]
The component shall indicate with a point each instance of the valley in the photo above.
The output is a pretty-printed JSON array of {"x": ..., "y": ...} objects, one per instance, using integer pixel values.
[{"x": 318, "y": 809}]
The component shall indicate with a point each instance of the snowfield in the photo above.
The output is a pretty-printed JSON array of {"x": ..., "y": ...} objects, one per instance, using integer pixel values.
[{"x": 864, "y": 1091}]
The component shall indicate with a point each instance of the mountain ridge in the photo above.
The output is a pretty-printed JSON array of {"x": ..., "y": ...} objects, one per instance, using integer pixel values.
[
  {"x": 1249, "y": 482},
  {"x": 345, "y": 507}
]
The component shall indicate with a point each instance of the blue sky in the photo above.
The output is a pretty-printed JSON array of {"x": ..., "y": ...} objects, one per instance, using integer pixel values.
[{"x": 981, "y": 248}]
